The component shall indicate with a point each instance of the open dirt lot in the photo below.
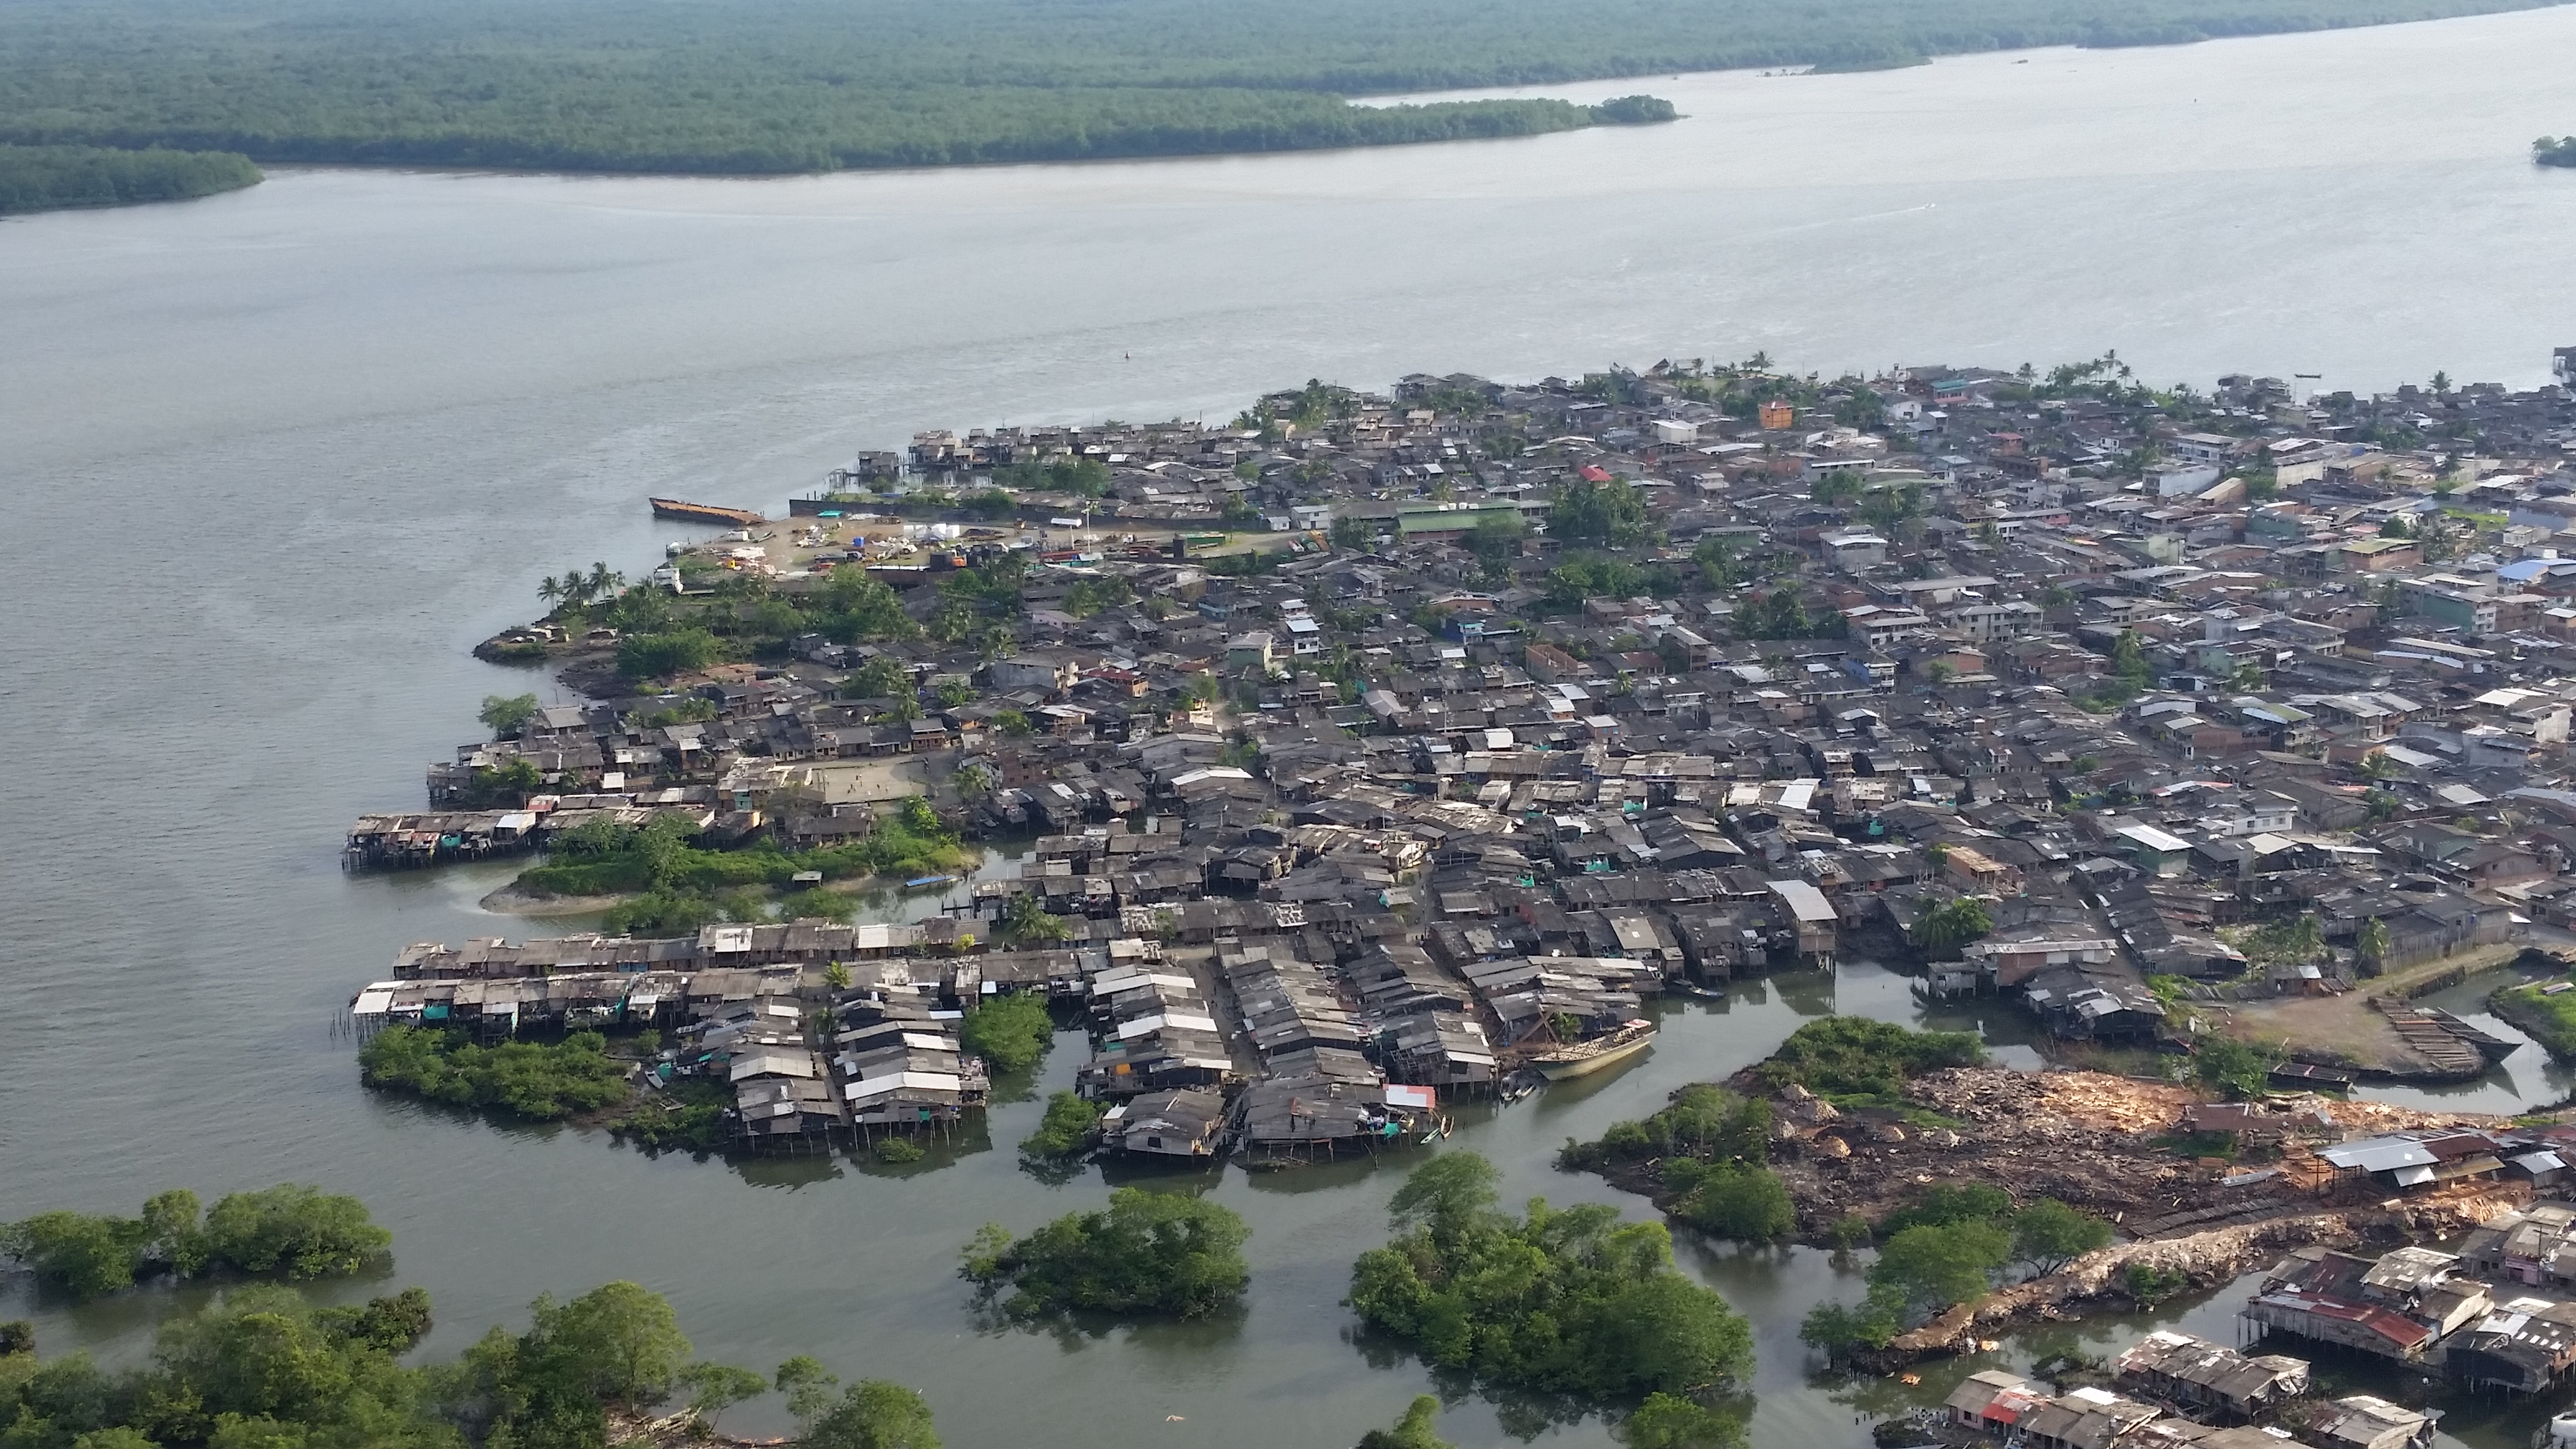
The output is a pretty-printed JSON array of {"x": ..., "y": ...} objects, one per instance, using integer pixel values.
[
  {"x": 870, "y": 782},
  {"x": 2100, "y": 1142},
  {"x": 2347, "y": 1030}
]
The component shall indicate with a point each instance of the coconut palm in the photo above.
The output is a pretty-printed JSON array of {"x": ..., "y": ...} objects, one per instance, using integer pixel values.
[
  {"x": 603, "y": 580},
  {"x": 549, "y": 590}
]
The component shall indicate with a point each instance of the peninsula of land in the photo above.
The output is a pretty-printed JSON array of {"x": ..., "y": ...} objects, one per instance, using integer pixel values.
[
  {"x": 2227, "y": 723},
  {"x": 821, "y": 85},
  {"x": 1374, "y": 754},
  {"x": 62, "y": 178}
]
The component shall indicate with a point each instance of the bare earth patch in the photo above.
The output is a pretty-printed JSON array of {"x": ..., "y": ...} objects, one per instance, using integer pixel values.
[{"x": 2347, "y": 1030}]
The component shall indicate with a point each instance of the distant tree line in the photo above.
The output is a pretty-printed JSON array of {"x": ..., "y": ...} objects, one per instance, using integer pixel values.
[
  {"x": 804, "y": 85},
  {"x": 55, "y": 178}
]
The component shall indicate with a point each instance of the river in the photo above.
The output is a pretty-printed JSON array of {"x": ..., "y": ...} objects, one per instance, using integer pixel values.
[{"x": 271, "y": 461}]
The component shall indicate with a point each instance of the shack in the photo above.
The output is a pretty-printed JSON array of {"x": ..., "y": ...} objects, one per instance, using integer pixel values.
[{"x": 1182, "y": 1124}]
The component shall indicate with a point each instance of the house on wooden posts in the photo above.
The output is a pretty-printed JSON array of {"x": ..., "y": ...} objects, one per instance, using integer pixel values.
[
  {"x": 2525, "y": 1346},
  {"x": 2209, "y": 1378},
  {"x": 2362, "y": 1421},
  {"x": 2084, "y": 1418},
  {"x": 2396, "y": 1307},
  {"x": 1992, "y": 1401},
  {"x": 2535, "y": 1245},
  {"x": 1812, "y": 917},
  {"x": 1175, "y": 1124}
]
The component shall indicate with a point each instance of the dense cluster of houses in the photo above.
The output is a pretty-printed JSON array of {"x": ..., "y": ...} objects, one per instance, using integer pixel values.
[
  {"x": 2175, "y": 1390},
  {"x": 2136, "y": 671},
  {"x": 1652, "y": 680},
  {"x": 2499, "y": 1315}
]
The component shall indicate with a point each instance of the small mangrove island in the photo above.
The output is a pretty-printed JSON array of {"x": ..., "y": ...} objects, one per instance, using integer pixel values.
[
  {"x": 1148, "y": 1254},
  {"x": 288, "y": 1230},
  {"x": 1569, "y": 1302}
]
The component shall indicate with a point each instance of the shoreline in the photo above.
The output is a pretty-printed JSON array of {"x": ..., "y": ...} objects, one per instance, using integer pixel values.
[
  {"x": 1901, "y": 55},
  {"x": 509, "y": 900},
  {"x": 2212, "y": 1259}
]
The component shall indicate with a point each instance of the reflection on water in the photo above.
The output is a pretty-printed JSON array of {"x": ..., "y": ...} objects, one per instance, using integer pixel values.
[
  {"x": 1326, "y": 1177},
  {"x": 859, "y": 1257},
  {"x": 2521, "y": 1082}
]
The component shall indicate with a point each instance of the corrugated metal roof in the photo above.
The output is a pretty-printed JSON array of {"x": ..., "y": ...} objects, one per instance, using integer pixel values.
[
  {"x": 2154, "y": 839},
  {"x": 2380, "y": 1154},
  {"x": 1803, "y": 900}
]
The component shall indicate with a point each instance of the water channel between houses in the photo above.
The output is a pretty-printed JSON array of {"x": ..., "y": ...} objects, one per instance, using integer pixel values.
[{"x": 273, "y": 461}]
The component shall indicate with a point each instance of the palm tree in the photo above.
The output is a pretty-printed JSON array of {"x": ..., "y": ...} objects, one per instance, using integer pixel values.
[
  {"x": 604, "y": 580},
  {"x": 549, "y": 590},
  {"x": 576, "y": 588}
]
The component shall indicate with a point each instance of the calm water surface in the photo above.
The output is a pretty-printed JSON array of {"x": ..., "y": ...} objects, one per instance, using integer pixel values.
[{"x": 270, "y": 462}]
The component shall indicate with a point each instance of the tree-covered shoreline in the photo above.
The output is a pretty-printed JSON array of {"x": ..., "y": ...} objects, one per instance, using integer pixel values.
[
  {"x": 66, "y": 178},
  {"x": 261, "y": 1367},
  {"x": 807, "y": 85}
]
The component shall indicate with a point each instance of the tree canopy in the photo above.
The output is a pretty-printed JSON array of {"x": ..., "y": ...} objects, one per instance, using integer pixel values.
[
  {"x": 261, "y": 1368},
  {"x": 1066, "y": 1129},
  {"x": 1609, "y": 513},
  {"x": 2238, "y": 1069},
  {"x": 1148, "y": 1253},
  {"x": 870, "y": 1414},
  {"x": 1850, "y": 1057},
  {"x": 534, "y": 1080},
  {"x": 1712, "y": 1146},
  {"x": 1569, "y": 1302},
  {"x": 1947, "y": 1246},
  {"x": 2048, "y": 1234},
  {"x": 288, "y": 1230},
  {"x": 506, "y": 715},
  {"x": 1010, "y": 1032},
  {"x": 1953, "y": 922},
  {"x": 1415, "y": 1428},
  {"x": 53, "y": 178}
]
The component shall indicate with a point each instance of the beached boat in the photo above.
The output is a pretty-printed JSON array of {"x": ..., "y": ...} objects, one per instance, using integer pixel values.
[
  {"x": 1583, "y": 1058},
  {"x": 684, "y": 512},
  {"x": 924, "y": 882}
]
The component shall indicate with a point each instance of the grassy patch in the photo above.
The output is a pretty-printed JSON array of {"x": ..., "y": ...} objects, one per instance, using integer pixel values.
[
  {"x": 2550, "y": 1020},
  {"x": 600, "y": 859},
  {"x": 1852, "y": 1061}
]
